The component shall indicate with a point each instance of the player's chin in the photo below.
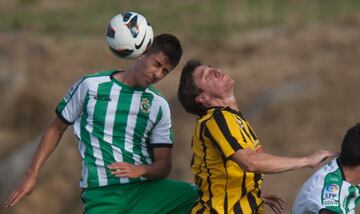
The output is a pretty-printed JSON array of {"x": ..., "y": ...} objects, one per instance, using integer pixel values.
[
  {"x": 151, "y": 81},
  {"x": 228, "y": 83},
  {"x": 145, "y": 83},
  {"x": 229, "y": 79}
]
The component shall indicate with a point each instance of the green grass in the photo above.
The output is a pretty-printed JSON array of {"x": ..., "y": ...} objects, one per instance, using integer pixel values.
[{"x": 200, "y": 21}]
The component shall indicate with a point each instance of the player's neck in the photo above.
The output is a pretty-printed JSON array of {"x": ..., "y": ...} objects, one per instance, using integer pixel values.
[
  {"x": 352, "y": 174},
  {"x": 231, "y": 102},
  {"x": 126, "y": 77},
  {"x": 227, "y": 101}
]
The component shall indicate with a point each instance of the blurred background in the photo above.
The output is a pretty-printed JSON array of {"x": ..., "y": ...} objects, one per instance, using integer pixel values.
[{"x": 296, "y": 64}]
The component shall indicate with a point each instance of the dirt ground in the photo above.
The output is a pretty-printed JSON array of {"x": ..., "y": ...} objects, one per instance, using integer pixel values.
[{"x": 297, "y": 86}]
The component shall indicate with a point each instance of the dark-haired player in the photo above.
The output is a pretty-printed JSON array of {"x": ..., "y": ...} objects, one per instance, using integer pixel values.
[
  {"x": 124, "y": 130},
  {"x": 228, "y": 161},
  {"x": 335, "y": 188}
]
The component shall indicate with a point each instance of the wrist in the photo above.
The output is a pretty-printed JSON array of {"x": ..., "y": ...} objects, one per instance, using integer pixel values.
[
  {"x": 306, "y": 162},
  {"x": 143, "y": 170},
  {"x": 32, "y": 172}
]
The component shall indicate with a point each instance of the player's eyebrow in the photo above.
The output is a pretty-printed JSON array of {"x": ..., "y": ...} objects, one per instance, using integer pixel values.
[{"x": 204, "y": 68}]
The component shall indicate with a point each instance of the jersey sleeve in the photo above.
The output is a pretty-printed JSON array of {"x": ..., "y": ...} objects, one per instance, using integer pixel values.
[
  {"x": 162, "y": 134},
  {"x": 224, "y": 130},
  {"x": 70, "y": 107},
  {"x": 330, "y": 197}
]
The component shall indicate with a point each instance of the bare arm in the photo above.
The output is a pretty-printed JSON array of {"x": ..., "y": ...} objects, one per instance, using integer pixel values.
[
  {"x": 160, "y": 168},
  {"x": 252, "y": 161},
  {"x": 48, "y": 142}
]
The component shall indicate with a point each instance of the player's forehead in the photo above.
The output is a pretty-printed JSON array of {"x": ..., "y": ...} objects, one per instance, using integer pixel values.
[
  {"x": 199, "y": 71},
  {"x": 161, "y": 58}
]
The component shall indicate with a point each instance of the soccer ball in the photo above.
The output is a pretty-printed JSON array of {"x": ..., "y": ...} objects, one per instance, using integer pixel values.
[{"x": 129, "y": 35}]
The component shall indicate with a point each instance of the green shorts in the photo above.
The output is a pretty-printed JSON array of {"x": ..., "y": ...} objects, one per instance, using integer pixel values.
[{"x": 157, "y": 197}]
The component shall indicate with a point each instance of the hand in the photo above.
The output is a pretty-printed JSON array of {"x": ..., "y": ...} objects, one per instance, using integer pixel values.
[
  {"x": 319, "y": 157},
  {"x": 24, "y": 188},
  {"x": 127, "y": 170},
  {"x": 276, "y": 203}
]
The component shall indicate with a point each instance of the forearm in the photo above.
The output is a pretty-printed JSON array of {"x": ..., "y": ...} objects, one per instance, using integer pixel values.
[
  {"x": 268, "y": 164},
  {"x": 160, "y": 168},
  {"x": 252, "y": 161},
  {"x": 157, "y": 170},
  {"x": 46, "y": 146},
  {"x": 48, "y": 143}
]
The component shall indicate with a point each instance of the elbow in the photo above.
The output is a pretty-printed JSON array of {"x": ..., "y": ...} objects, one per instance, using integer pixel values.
[
  {"x": 164, "y": 173},
  {"x": 167, "y": 171},
  {"x": 248, "y": 168},
  {"x": 251, "y": 165},
  {"x": 247, "y": 160}
]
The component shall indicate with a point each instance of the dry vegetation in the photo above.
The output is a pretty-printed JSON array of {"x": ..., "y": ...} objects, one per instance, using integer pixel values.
[{"x": 297, "y": 84}]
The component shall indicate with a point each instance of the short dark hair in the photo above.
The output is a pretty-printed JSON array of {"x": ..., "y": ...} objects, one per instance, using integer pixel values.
[
  {"x": 350, "y": 148},
  {"x": 188, "y": 91},
  {"x": 169, "y": 45}
]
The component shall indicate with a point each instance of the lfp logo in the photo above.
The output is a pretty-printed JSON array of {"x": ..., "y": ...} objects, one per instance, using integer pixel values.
[
  {"x": 332, "y": 188},
  {"x": 332, "y": 192}
]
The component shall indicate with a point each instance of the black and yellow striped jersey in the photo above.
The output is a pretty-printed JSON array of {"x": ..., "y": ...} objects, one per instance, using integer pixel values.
[{"x": 224, "y": 186}]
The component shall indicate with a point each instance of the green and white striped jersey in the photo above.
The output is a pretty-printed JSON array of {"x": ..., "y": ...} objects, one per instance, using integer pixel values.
[
  {"x": 327, "y": 189},
  {"x": 114, "y": 123}
]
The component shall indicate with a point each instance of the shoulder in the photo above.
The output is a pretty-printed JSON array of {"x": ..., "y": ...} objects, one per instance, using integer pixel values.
[
  {"x": 95, "y": 78},
  {"x": 332, "y": 168},
  {"x": 158, "y": 97},
  {"x": 155, "y": 91},
  {"x": 222, "y": 114},
  {"x": 226, "y": 111},
  {"x": 107, "y": 73}
]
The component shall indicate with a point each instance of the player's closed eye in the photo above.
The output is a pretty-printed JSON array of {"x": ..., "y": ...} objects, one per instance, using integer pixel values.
[
  {"x": 156, "y": 63},
  {"x": 165, "y": 71}
]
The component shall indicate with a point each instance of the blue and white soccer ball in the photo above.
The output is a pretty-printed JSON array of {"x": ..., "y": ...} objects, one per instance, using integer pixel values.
[{"x": 129, "y": 35}]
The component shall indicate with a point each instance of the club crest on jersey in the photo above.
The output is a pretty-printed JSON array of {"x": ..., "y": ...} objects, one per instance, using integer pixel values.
[{"x": 145, "y": 105}]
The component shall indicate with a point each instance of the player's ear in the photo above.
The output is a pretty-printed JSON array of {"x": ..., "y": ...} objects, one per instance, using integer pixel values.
[{"x": 202, "y": 98}]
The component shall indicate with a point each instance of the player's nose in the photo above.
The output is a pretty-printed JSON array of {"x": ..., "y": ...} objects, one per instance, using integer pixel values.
[{"x": 158, "y": 74}]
